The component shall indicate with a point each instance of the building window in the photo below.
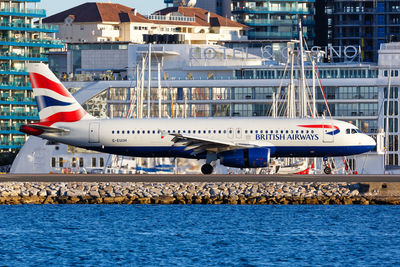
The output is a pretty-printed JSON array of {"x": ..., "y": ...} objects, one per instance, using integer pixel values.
[
  {"x": 61, "y": 162},
  {"x": 53, "y": 162},
  {"x": 93, "y": 162},
  {"x": 81, "y": 162},
  {"x": 101, "y": 162},
  {"x": 74, "y": 162}
]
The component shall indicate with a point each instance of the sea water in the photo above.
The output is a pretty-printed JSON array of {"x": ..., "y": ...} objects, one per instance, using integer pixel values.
[{"x": 197, "y": 235}]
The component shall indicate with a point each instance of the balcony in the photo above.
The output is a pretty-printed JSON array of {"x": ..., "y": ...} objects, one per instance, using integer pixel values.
[
  {"x": 272, "y": 35},
  {"x": 22, "y": 56},
  {"x": 266, "y": 10},
  {"x": 9, "y": 130},
  {"x": 275, "y": 22},
  {"x": 297, "y": 1},
  {"x": 32, "y": 42},
  {"x": 21, "y": 26},
  {"x": 41, "y": 13},
  {"x": 16, "y": 85},
  {"x": 5, "y": 70},
  {"x": 17, "y": 100},
  {"x": 11, "y": 145},
  {"x": 34, "y": 115}
]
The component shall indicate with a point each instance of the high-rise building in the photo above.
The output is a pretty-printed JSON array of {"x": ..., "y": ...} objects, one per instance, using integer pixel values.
[
  {"x": 268, "y": 19},
  {"x": 366, "y": 23},
  {"x": 23, "y": 39},
  {"x": 275, "y": 19}
]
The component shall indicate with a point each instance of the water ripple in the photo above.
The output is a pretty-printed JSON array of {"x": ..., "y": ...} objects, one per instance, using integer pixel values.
[{"x": 147, "y": 235}]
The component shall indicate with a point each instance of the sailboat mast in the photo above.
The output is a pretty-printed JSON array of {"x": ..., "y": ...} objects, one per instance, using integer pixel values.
[{"x": 303, "y": 100}]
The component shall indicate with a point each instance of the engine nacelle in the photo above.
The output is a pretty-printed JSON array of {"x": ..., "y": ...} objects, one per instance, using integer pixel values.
[{"x": 246, "y": 158}]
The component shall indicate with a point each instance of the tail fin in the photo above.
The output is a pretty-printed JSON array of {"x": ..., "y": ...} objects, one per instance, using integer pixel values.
[{"x": 55, "y": 103}]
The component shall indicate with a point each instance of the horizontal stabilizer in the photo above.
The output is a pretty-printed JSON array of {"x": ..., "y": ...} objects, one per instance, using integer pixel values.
[{"x": 37, "y": 129}]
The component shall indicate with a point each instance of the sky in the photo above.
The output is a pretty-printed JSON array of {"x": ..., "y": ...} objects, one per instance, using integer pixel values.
[{"x": 144, "y": 7}]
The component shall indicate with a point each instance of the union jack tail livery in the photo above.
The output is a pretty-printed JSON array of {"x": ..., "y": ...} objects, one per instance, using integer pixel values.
[{"x": 54, "y": 102}]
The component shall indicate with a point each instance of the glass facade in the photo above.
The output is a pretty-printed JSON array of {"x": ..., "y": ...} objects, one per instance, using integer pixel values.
[
  {"x": 23, "y": 39},
  {"x": 364, "y": 23},
  {"x": 277, "y": 19}
]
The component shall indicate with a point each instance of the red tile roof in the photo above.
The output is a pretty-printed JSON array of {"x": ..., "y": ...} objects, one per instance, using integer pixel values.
[
  {"x": 108, "y": 12},
  {"x": 98, "y": 12},
  {"x": 200, "y": 16}
]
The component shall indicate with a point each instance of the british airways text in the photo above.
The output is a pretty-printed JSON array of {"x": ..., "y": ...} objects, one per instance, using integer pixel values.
[{"x": 277, "y": 137}]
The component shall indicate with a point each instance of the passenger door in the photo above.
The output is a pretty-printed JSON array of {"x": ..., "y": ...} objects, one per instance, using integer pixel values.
[{"x": 94, "y": 132}]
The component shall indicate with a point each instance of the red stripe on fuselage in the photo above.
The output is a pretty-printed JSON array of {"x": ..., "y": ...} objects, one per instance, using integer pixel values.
[
  {"x": 320, "y": 126},
  {"x": 40, "y": 81}
]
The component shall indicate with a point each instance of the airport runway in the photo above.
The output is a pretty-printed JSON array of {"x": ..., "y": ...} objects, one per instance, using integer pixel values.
[{"x": 195, "y": 178}]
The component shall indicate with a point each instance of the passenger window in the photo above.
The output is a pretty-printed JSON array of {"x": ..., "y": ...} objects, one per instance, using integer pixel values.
[
  {"x": 189, "y": 131},
  {"x": 179, "y": 131},
  {"x": 117, "y": 132},
  {"x": 133, "y": 132},
  {"x": 219, "y": 131},
  {"x": 204, "y": 131},
  {"x": 154, "y": 132},
  {"x": 245, "y": 131},
  {"x": 113, "y": 132},
  {"x": 127, "y": 132},
  {"x": 148, "y": 132},
  {"x": 347, "y": 131},
  {"x": 123, "y": 132},
  {"x": 143, "y": 132},
  {"x": 251, "y": 131}
]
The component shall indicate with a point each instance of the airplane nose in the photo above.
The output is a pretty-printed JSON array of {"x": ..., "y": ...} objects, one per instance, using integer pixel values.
[{"x": 370, "y": 142}]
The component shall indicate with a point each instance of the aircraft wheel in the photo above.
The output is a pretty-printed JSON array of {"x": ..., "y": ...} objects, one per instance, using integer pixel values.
[
  {"x": 327, "y": 170},
  {"x": 207, "y": 169}
]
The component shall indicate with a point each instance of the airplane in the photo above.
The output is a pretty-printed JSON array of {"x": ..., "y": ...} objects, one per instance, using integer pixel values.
[{"x": 236, "y": 142}]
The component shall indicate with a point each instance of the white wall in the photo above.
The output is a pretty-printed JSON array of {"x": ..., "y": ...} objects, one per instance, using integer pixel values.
[{"x": 104, "y": 59}]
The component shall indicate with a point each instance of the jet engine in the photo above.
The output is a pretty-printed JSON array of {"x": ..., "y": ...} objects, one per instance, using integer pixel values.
[{"x": 246, "y": 158}]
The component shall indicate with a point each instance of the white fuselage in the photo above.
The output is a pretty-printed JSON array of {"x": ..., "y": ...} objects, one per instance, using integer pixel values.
[{"x": 154, "y": 137}]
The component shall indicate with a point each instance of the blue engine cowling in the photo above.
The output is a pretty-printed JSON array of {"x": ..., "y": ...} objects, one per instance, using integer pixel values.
[{"x": 246, "y": 158}]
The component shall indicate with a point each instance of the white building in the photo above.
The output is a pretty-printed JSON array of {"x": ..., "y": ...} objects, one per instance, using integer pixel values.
[{"x": 97, "y": 22}]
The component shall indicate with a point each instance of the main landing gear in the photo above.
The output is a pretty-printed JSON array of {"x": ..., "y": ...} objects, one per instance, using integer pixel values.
[{"x": 207, "y": 168}]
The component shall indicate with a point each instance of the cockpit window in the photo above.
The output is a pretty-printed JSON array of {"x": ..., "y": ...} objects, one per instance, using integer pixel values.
[
  {"x": 353, "y": 131},
  {"x": 347, "y": 131}
]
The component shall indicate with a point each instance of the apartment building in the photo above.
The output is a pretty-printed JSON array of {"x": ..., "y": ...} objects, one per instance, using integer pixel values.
[{"x": 23, "y": 39}]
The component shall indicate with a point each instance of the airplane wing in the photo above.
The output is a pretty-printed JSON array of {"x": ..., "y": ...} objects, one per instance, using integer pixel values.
[{"x": 202, "y": 144}]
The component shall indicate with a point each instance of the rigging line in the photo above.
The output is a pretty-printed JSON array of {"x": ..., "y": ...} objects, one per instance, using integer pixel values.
[
  {"x": 320, "y": 84},
  {"x": 323, "y": 92},
  {"x": 280, "y": 108}
]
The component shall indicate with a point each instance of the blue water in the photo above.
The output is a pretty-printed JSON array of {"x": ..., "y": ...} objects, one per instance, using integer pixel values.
[{"x": 199, "y": 235}]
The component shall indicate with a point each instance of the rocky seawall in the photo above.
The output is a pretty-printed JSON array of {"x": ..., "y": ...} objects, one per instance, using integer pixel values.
[{"x": 199, "y": 193}]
